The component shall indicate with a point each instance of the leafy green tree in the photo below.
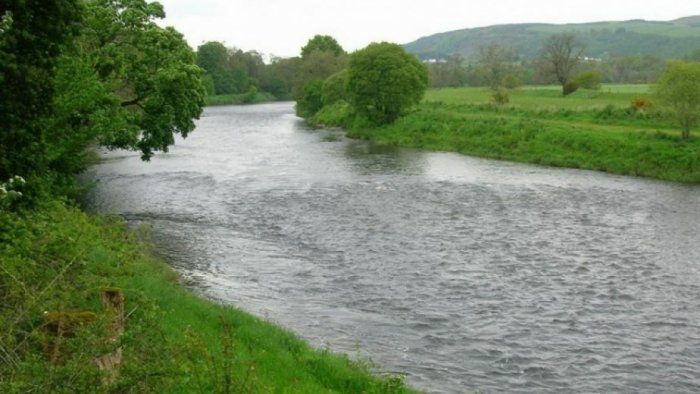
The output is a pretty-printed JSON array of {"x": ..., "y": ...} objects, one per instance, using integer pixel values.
[
  {"x": 317, "y": 66},
  {"x": 311, "y": 99},
  {"x": 279, "y": 77},
  {"x": 151, "y": 87},
  {"x": 679, "y": 89},
  {"x": 32, "y": 33},
  {"x": 322, "y": 44},
  {"x": 384, "y": 80},
  {"x": 213, "y": 58},
  {"x": 561, "y": 54},
  {"x": 335, "y": 88}
]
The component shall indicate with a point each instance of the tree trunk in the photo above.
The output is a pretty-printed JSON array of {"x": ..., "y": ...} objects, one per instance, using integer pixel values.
[{"x": 686, "y": 130}]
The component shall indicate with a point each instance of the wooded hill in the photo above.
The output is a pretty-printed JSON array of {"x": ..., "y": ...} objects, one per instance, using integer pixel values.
[{"x": 672, "y": 39}]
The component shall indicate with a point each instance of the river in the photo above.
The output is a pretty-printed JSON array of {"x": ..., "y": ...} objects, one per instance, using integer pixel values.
[{"x": 464, "y": 273}]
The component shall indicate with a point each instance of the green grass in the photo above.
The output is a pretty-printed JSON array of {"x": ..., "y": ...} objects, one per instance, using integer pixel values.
[
  {"x": 588, "y": 130},
  {"x": 545, "y": 97},
  {"x": 238, "y": 99},
  {"x": 57, "y": 258}
]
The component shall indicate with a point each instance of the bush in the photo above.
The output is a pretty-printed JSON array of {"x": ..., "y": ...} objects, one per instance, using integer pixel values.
[
  {"x": 311, "y": 100},
  {"x": 570, "y": 87},
  {"x": 511, "y": 81},
  {"x": 335, "y": 88},
  {"x": 251, "y": 96},
  {"x": 384, "y": 80},
  {"x": 500, "y": 96},
  {"x": 590, "y": 80}
]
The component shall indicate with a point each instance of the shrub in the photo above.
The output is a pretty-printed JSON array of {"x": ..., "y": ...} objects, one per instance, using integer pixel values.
[
  {"x": 511, "y": 81},
  {"x": 570, "y": 87},
  {"x": 335, "y": 88},
  {"x": 500, "y": 96},
  {"x": 590, "y": 80},
  {"x": 311, "y": 100}
]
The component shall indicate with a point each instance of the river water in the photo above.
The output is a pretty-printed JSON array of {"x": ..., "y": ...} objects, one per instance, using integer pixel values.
[{"x": 465, "y": 274}]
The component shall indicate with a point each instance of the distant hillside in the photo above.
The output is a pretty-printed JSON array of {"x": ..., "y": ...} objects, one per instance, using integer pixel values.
[{"x": 672, "y": 39}]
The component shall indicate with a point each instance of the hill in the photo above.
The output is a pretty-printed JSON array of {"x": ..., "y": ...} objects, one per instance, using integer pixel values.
[{"x": 672, "y": 39}]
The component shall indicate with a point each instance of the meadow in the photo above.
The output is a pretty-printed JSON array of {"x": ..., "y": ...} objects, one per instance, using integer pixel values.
[{"x": 618, "y": 129}]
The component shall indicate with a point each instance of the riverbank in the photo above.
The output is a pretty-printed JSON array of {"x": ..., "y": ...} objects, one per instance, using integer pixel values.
[
  {"x": 57, "y": 259},
  {"x": 617, "y": 130},
  {"x": 254, "y": 97}
]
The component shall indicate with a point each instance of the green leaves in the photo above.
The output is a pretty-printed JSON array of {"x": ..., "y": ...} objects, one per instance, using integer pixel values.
[
  {"x": 679, "y": 89},
  {"x": 384, "y": 80},
  {"x": 151, "y": 88}
]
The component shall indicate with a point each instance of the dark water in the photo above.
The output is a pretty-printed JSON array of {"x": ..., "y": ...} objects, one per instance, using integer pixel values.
[{"x": 464, "y": 273}]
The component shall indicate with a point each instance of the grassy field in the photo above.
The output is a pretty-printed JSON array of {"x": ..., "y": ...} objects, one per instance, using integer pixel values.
[
  {"x": 589, "y": 130},
  {"x": 546, "y": 97},
  {"x": 56, "y": 258}
]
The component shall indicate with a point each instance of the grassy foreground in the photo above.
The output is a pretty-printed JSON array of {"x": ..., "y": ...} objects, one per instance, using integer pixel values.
[
  {"x": 57, "y": 258},
  {"x": 600, "y": 131}
]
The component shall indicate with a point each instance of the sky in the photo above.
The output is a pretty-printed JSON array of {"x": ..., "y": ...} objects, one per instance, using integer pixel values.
[{"x": 282, "y": 27}]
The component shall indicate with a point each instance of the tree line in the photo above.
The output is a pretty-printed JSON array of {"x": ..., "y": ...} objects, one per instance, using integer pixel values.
[{"x": 456, "y": 71}]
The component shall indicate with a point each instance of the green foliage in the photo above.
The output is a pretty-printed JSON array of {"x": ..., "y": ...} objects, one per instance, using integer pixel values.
[
  {"x": 590, "y": 80},
  {"x": 32, "y": 35},
  {"x": 494, "y": 64},
  {"x": 384, "y": 80},
  {"x": 511, "y": 81},
  {"x": 213, "y": 58},
  {"x": 57, "y": 258},
  {"x": 570, "y": 88},
  {"x": 451, "y": 72},
  {"x": 320, "y": 43},
  {"x": 500, "y": 96},
  {"x": 239, "y": 99},
  {"x": 153, "y": 88},
  {"x": 318, "y": 65},
  {"x": 337, "y": 114},
  {"x": 335, "y": 88},
  {"x": 311, "y": 99},
  {"x": 679, "y": 89}
]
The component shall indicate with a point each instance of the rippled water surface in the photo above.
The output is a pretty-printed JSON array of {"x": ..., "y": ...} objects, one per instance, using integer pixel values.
[{"x": 466, "y": 274}]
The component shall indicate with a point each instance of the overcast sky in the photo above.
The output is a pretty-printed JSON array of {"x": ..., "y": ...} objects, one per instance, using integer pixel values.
[{"x": 281, "y": 27}]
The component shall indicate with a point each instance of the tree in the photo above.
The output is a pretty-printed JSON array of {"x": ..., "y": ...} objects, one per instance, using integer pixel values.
[
  {"x": 679, "y": 89},
  {"x": 311, "y": 99},
  {"x": 136, "y": 84},
  {"x": 335, "y": 88},
  {"x": 495, "y": 63},
  {"x": 451, "y": 72},
  {"x": 213, "y": 58},
  {"x": 32, "y": 33},
  {"x": 384, "y": 80},
  {"x": 323, "y": 44},
  {"x": 317, "y": 66},
  {"x": 561, "y": 53}
]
